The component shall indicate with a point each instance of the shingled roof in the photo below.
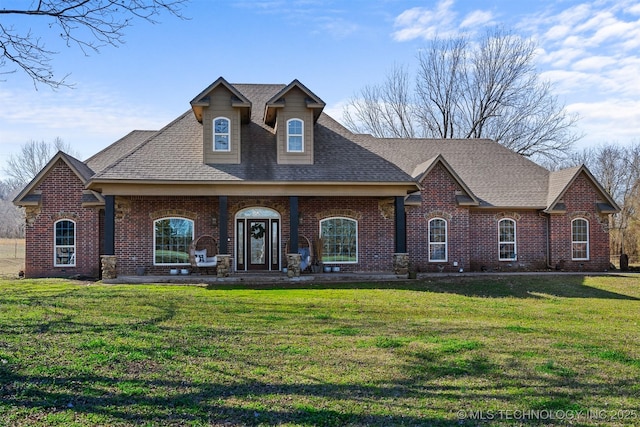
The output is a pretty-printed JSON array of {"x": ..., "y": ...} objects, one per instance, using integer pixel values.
[{"x": 492, "y": 175}]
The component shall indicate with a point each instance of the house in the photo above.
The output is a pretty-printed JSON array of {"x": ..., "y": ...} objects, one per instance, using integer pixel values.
[{"x": 262, "y": 169}]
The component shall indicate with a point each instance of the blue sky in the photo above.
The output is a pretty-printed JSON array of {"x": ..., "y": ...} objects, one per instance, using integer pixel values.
[{"x": 589, "y": 50}]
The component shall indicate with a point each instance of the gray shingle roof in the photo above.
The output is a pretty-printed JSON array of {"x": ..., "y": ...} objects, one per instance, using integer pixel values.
[
  {"x": 497, "y": 176},
  {"x": 115, "y": 151}
]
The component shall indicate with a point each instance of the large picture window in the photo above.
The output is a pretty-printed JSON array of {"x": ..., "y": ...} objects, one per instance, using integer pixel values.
[
  {"x": 580, "y": 239},
  {"x": 339, "y": 240},
  {"x": 437, "y": 240},
  {"x": 295, "y": 138},
  {"x": 507, "y": 240},
  {"x": 221, "y": 134},
  {"x": 172, "y": 237},
  {"x": 64, "y": 250}
]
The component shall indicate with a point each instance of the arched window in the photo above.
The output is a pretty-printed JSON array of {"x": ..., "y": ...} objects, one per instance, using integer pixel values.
[
  {"x": 295, "y": 136},
  {"x": 339, "y": 240},
  {"x": 64, "y": 243},
  {"x": 437, "y": 240},
  {"x": 580, "y": 239},
  {"x": 172, "y": 237},
  {"x": 221, "y": 134},
  {"x": 507, "y": 240}
]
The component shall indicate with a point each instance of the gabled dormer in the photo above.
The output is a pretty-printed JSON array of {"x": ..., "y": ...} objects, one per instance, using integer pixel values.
[
  {"x": 221, "y": 109},
  {"x": 292, "y": 113}
]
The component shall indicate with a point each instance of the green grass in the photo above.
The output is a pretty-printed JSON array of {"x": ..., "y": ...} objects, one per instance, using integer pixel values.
[{"x": 404, "y": 353}]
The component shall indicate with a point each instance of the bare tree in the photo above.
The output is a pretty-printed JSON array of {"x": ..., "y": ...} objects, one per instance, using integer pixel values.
[
  {"x": 384, "y": 111},
  {"x": 87, "y": 24},
  {"x": 465, "y": 89},
  {"x": 34, "y": 155},
  {"x": 617, "y": 168}
]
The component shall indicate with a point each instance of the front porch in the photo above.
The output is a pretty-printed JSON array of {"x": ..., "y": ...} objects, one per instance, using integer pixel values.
[{"x": 275, "y": 278}]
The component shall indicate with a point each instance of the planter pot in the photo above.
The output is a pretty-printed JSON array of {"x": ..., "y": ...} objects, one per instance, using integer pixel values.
[
  {"x": 184, "y": 271},
  {"x": 335, "y": 269},
  {"x": 173, "y": 271},
  {"x": 327, "y": 269}
]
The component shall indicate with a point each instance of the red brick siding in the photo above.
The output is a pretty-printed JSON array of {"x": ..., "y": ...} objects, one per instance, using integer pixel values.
[
  {"x": 134, "y": 226},
  {"x": 580, "y": 201},
  {"x": 438, "y": 200},
  {"x": 472, "y": 233},
  {"x": 530, "y": 240},
  {"x": 62, "y": 199}
]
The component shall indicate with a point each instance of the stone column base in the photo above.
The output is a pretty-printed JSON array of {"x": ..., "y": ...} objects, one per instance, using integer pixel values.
[
  {"x": 224, "y": 265},
  {"x": 109, "y": 265},
  {"x": 293, "y": 265},
  {"x": 401, "y": 264}
]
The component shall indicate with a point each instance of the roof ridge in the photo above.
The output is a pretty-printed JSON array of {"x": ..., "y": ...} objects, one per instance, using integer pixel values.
[{"x": 142, "y": 144}]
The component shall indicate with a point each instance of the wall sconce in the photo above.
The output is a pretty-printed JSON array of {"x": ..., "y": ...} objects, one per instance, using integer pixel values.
[{"x": 214, "y": 219}]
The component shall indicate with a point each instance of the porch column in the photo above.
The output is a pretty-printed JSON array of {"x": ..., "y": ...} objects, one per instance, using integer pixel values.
[
  {"x": 293, "y": 224},
  {"x": 109, "y": 225},
  {"x": 223, "y": 224},
  {"x": 108, "y": 260},
  {"x": 401, "y": 226}
]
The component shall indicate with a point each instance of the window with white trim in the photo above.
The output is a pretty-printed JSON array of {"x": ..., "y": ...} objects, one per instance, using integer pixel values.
[
  {"x": 64, "y": 243},
  {"x": 437, "y": 240},
  {"x": 580, "y": 239},
  {"x": 221, "y": 134},
  {"x": 339, "y": 240},
  {"x": 172, "y": 238},
  {"x": 295, "y": 136},
  {"x": 507, "y": 240}
]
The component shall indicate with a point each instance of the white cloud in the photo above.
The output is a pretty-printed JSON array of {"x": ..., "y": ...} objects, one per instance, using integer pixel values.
[
  {"x": 87, "y": 119},
  {"x": 608, "y": 121},
  {"x": 421, "y": 22},
  {"x": 477, "y": 18}
]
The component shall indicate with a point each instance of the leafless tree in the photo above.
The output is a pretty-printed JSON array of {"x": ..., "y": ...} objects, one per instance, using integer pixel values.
[
  {"x": 617, "y": 168},
  {"x": 34, "y": 155},
  {"x": 470, "y": 89},
  {"x": 87, "y": 24}
]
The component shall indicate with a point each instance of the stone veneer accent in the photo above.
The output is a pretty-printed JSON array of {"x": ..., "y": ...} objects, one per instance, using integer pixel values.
[
  {"x": 224, "y": 265},
  {"x": 293, "y": 265},
  {"x": 109, "y": 266},
  {"x": 401, "y": 263}
]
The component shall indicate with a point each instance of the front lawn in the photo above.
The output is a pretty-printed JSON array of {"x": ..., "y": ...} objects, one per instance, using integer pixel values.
[{"x": 549, "y": 350}]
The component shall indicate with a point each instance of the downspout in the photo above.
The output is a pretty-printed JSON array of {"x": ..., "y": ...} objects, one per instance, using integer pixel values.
[{"x": 549, "y": 266}]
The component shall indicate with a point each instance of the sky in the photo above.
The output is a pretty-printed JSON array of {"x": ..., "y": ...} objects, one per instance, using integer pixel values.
[{"x": 589, "y": 51}]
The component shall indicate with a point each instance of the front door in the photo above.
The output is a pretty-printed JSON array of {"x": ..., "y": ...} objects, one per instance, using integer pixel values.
[{"x": 258, "y": 244}]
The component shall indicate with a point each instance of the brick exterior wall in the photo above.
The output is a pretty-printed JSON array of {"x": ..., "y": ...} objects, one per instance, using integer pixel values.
[
  {"x": 438, "y": 201},
  {"x": 580, "y": 200},
  {"x": 472, "y": 232},
  {"x": 531, "y": 246},
  {"x": 61, "y": 199}
]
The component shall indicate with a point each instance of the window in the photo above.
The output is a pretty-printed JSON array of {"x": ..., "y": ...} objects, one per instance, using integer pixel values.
[
  {"x": 221, "y": 134},
  {"x": 580, "y": 239},
  {"x": 437, "y": 240},
  {"x": 64, "y": 250},
  {"x": 507, "y": 240},
  {"x": 172, "y": 237},
  {"x": 295, "y": 138},
  {"x": 339, "y": 240}
]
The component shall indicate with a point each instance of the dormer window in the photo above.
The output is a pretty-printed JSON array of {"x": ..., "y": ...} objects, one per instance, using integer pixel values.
[
  {"x": 221, "y": 134},
  {"x": 295, "y": 136}
]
